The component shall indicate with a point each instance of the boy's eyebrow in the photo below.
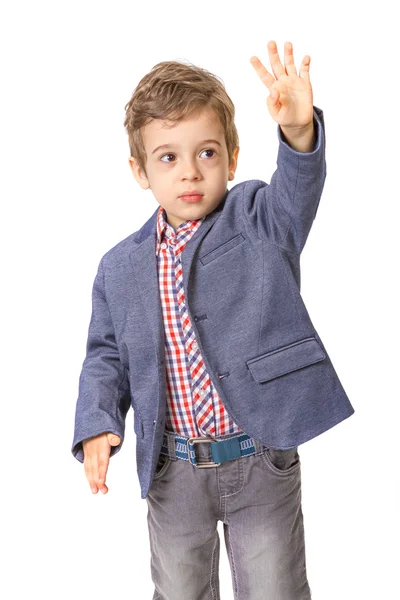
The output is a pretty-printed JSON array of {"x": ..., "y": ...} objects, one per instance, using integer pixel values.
[{"x": 171, "y": 145}]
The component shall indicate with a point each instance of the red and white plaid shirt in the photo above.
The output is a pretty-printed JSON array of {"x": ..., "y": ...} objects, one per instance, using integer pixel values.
[{"x": 193, "y": 406}]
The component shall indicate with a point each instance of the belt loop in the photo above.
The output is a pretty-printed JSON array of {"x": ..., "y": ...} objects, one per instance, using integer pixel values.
[{"x": 171, "y": 446}]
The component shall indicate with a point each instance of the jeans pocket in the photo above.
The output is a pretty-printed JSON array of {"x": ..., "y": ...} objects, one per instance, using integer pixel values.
[
  {"x": 162, "y": 465},
  {"x": 282, "y": 462}
]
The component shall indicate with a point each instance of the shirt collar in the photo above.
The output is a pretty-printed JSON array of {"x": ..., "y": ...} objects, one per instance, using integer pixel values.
[{"x": 164, "y": 229}]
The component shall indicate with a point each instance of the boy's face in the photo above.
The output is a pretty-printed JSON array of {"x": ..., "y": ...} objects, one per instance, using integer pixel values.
[{"x": 188, "y": 163}]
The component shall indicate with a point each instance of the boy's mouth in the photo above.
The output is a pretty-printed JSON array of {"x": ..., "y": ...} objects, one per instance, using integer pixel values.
[{"x": 191, "y": 197}]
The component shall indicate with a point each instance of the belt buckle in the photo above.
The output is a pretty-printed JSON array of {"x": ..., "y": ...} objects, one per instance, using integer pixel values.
[{"x": 197, "y": 440}]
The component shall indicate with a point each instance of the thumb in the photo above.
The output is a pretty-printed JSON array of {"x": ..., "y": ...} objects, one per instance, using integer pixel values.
[
  {"x": 113, "y": 439},
  {"x": 273, "y": 102}
]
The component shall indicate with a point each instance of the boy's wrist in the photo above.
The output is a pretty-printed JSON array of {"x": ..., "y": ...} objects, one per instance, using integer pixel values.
[{"x": 301, "y": 139}]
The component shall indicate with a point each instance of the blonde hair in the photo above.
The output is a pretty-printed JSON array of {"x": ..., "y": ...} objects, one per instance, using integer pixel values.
[{"x": 171, "y": 91}]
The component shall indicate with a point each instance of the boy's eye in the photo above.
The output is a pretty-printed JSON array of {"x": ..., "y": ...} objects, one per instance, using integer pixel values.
[
  {"x": 209, "y": 150},
  {"x": 171, "y": 154}
]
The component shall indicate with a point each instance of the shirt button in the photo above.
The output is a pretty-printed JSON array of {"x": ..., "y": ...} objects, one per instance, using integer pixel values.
[
  {"x": 202, "y": 392},
  {"x": 163, "y": 246},
  {"x": 194, "y": 345}
]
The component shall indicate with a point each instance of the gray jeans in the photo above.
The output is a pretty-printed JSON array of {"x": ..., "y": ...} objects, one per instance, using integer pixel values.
[{"x": 258, "y": 499}]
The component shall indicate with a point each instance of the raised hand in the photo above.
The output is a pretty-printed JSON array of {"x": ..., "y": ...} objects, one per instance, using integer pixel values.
[{"x": 290, "y": 102}]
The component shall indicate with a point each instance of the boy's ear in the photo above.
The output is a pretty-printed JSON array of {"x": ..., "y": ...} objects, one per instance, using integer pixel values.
[
  {"x": 138, "y": 173},
  {"x": 233, "y": 164}
]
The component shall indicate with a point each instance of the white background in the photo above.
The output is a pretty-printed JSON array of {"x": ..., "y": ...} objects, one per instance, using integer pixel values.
[{"x": 67, "y": 71}]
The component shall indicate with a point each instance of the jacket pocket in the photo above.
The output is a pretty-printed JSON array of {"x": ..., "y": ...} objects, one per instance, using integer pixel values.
[
  {"x": 286, "y": 359},
  {"x": 225, "y": 247}
]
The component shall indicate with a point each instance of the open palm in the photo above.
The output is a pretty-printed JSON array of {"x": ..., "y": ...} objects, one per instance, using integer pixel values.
[{"x": 290, "y": 102}]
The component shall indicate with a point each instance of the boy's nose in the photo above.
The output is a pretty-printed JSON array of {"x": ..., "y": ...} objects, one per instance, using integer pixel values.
[{"x": 190, "y": 170}]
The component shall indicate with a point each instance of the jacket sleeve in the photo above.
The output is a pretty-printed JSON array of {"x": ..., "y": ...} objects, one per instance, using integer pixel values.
[
  {"x": 104, "y": 393},
  {"x": 283, "y": 211}
]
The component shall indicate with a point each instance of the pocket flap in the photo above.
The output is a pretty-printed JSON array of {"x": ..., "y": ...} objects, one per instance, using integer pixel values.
[
  {"x": 137, "y": 424},
  {"x": 225, "y": 247},
  {"x": 286, "y": 359}
]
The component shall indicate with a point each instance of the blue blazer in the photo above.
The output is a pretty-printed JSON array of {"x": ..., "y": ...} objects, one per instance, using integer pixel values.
[{"x": 241, "y": 273}]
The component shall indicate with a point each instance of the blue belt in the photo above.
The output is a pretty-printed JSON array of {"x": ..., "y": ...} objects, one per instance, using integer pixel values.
[{"x": 221, "y": 450}]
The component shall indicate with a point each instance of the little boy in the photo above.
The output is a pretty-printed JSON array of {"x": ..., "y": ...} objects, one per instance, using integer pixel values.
[{"x": 198, "y": 323}]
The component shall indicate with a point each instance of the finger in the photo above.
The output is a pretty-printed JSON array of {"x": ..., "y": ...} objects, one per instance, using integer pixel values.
[
  {"x": 96, "y": 458},
  {"x": 289, "y": 60},
  {"x": 305, "y": 68},
  {"x": 273, "y": 102},
  {"x": 102, "y": 472},
  {"x": 113, "y": 439},
  {"x": 262, "y": 72},
  {"x": 96, "y": 476},
  {"x": 275, "y": 61},
  {"x": 90, "y": 475},
  {"x": 89, "y": 464}
]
